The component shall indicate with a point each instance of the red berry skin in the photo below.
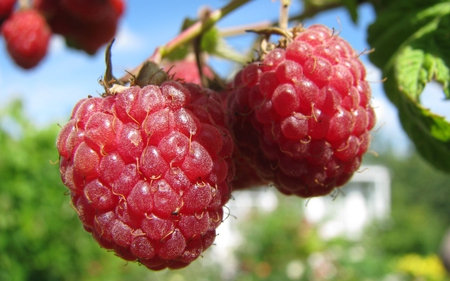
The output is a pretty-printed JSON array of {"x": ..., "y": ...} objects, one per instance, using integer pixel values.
[
  {"x": 149, "y": 170},
  {"x": 6, "y": 8},
  {"x": 85, "y": 27},
  {"x": 246, "y": 176},
  {"x": 27, "y": 37},
  {"x": 186, "y": 70},
  {"x": 302, "y": 116},
  {"x": 93, "y": 10}
]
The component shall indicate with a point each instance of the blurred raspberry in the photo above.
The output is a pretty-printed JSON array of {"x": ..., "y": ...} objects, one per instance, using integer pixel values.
[
  {"x": 187, "y": 70},
  {"x": 27, "y": 37},
  {"x": 85, "y": 26}
]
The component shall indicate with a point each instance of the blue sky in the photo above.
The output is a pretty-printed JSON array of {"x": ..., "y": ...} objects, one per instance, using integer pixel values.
[{"x": 50, "y": 90}]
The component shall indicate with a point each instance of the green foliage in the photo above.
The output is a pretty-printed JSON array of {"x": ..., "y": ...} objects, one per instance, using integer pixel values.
[
  {"x": 352, "y": 7},
  {"x": 411, "y": 53},
  {"x": 420, "y": 210},
  {"x": 40, "y": 236},
  {"x": 273, "y": 240},
  {"x": 28, "y": 201}
]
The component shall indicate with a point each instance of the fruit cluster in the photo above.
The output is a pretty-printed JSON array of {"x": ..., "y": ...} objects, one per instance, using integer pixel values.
[
  {"x": 150, "y": 166},
  {"x": 85, "y": 25}
]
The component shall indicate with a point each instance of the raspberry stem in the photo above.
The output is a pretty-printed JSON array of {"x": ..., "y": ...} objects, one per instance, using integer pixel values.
[
  {"x": 187, "y": 35},
  {"x": 312, "y": 10},
  {"x": 284, "y": 14},
  {"x": 24, "y": 4},
  {"x": 242, "y": 29}
]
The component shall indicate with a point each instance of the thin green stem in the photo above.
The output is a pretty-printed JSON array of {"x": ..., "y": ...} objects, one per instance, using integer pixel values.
[
  {"x": 242, "y": 29},
  {"x": 189, "y": 34},
  {"x": 24, "y": 4},
  {"x": 312, "y": 10},
  {"x": 200, "y": 27}
]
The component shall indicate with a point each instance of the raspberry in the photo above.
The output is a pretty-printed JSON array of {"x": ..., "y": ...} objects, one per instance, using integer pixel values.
[
  {"x": 148, "y": 170},
  {"x": 93, "y": 10},
  {"x": 27, "y": 37},
  {"x": 301, "y": 116},
  {"x": 84, "y": 26},
  {"x": 6, "y": 8},
  {"x": 187, "y": 71},
  {"x": 246, "y": 176}
]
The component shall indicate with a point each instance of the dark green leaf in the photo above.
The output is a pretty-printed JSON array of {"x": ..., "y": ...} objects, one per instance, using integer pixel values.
[
  {"x": 352, "y": 7},
  {"x": 397, "y": 23}
]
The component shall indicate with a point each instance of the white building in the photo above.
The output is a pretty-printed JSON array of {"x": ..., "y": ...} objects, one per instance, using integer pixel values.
[{"x": 347, "y": 211}]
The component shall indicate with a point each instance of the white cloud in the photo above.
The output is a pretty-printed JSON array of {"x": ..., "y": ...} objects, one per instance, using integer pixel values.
[
  {"x": 57, "y": 44},
  {"x": 127, "y": 40}
]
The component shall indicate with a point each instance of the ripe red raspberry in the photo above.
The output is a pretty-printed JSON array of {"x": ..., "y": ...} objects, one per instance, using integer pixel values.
[
  {"x": 302, "y": 115},
  {"x": 149, "y": 169},
  {"x": 27, "y": 37}
]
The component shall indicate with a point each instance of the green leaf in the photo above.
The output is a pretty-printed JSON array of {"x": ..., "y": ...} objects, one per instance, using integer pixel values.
[
  {"x": 415, "y": 68},
  {"x": 411, "y": 53},
  {"x": 210, "y": 40},
  {"x": 180, "y": 53},
  {"x": 352, "y": 7},
  {"x": 429, "y": 132},
  {"x": 397, "y": 23},
  {"x": 215, "y": 45},
  {"x": 225, "y": 51}
]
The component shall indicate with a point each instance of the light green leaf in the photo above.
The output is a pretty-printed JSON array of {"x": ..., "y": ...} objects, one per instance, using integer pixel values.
[
  {"x": 215, "y": 45},
  {"x": 210, "y": 40}
]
